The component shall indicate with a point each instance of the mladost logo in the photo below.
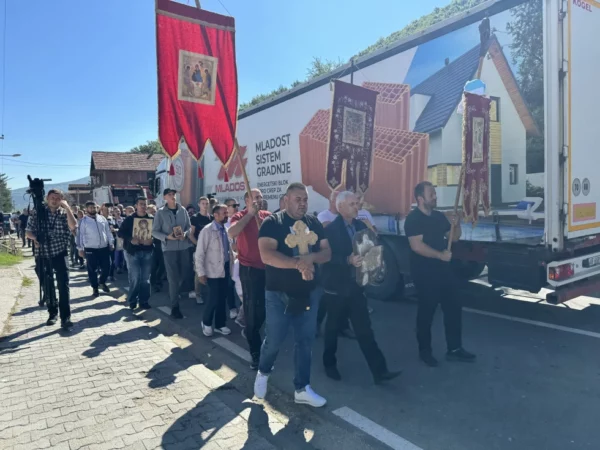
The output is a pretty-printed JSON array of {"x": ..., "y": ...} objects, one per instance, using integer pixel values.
[{"x": 233, "y": 171}]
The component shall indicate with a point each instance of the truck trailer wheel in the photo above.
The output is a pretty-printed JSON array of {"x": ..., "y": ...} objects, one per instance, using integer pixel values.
[{"x": 390, "y": 285}]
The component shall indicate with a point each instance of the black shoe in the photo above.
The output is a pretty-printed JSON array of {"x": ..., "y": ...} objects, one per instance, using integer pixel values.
[
  {"x": 460, "y": 354},
  {"x": 386, "y": 376},
  {"x": 104, "y": 288},
  {"x": 51, "y": 321},
  {"x": 145, "y": 306},
  {"x": 132, "y": 306},
  {"x": 333, "y": 373},
  {"x": 428, "y": 359},
  {"x": 41, "y": 303},
  {"x": 96, "y": 294},
  {"x": 348, "y": 333},
  {"x": 176, "y": 313},
  {"x": 254, "y": 363},
  {"x": 66, "y": 324}
]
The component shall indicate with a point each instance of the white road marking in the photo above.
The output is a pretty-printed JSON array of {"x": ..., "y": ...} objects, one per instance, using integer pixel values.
[
  {"x": 372, "y": 429},
  {"x": 535, "y": 322},
  {"x": 165, "y": 309},
  {"x": 233, "y": 348}
]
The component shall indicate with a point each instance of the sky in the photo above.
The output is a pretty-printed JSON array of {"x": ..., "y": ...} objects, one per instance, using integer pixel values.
[{"x": 81, "y": 75}]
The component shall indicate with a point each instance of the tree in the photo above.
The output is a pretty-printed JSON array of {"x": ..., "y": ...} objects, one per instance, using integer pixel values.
[
  {"x": 526, "y": 29},
  {"x": 149, "y": 148},
  {"x": 6, "y": 204},
  {"x": 320, "y": 67}
]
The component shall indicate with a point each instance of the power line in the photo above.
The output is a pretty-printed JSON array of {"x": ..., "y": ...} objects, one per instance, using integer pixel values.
[{"x": 27, "y": 163}]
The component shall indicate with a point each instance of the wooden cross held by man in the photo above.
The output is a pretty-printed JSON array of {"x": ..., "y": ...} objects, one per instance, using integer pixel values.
[{"x": 301, "y": 238}]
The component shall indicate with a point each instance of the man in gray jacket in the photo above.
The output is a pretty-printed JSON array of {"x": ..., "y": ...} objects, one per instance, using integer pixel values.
[{"x": 172, "y": 227}]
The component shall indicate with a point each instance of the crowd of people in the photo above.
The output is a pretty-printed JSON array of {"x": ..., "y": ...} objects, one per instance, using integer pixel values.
[{"x": 287, "y": 269}]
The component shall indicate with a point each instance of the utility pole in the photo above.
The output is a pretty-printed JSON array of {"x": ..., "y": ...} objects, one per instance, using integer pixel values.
[{"x": 198, "y": 4}]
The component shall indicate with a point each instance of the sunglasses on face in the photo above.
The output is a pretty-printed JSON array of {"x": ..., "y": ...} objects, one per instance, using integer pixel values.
[{"x": 234, "y": 205}]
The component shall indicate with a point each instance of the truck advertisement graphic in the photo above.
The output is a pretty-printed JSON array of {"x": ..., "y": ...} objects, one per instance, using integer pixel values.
[{"x": 418, "y": 129}]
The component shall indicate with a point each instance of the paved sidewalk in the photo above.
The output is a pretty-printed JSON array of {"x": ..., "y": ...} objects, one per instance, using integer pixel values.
[{"x": 112, "y": 382}]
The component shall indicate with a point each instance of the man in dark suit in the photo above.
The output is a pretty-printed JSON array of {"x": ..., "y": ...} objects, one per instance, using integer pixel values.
[{"x": 344, "y": 296}]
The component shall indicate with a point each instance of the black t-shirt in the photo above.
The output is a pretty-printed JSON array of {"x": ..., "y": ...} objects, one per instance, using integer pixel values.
[
  {"x": 199, "y": 221},
  {"x": 434, "y": 229},
  {"x": 279, "y": 226},
  {"x": 23, "y": 219}
]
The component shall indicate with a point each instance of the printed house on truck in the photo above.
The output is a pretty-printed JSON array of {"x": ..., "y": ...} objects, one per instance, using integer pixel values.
[
  {"x": 399, "y": 159},
  {"x": 434, "y": 104}
]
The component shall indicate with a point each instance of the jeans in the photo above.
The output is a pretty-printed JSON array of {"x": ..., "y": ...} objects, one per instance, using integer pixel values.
[
  {"x": 139, "y": 264},
  {"x": 118, "y": 259},
  {"x": 278, "y": 323},
  {"x": 58, "y": 264},
  {"x": 431, "y": 290},
  {"x": 97, "y": 258},
  {"x": 253, "y": 291},
  {"x": 158, "y": 265},
  {"x": 355, "y": 307},
  {"x": 177, "y": 265},
  {"x": 216, "y": 307}
]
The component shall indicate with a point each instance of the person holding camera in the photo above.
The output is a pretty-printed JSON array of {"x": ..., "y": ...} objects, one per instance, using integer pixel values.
[
  {"x": 95, "y": 241},
  {"x": 172, "y": 227},
  {"x": 55, "y": 226}
]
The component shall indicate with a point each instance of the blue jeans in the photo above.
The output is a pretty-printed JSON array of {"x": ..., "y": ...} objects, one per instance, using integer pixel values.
[
  {"x": 139, "y": 265},
  {"x": 277, "y": 325}
]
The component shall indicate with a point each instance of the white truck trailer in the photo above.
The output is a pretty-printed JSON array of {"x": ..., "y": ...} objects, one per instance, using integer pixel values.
[{"x": 538, "y": 69}]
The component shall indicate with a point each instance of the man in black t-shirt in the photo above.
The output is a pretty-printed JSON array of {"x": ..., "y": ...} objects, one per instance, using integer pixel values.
[
  {"x": 199, "y": 221},
  {"x": 428, "y": 232},
  {"x": 291, "y": 243}
]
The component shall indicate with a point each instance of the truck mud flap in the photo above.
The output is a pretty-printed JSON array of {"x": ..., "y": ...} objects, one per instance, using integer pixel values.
[{"x": 517, "y": 267}]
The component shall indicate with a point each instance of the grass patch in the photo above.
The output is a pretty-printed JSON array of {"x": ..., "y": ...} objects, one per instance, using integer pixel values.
[
  {"x": 27, "y": 282},
  {"x": 6, "y": 259}
]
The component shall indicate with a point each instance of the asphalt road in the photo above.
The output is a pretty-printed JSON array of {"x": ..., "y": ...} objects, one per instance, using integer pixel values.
[{"x": 535, "y": 384}]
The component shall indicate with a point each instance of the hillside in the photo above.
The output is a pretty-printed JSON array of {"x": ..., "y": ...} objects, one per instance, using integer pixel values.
[
  {"x": 21, "y": 198},
  {"x": 320, "y": 67}
]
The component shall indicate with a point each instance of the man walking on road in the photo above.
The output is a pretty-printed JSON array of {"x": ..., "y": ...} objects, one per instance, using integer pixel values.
[
  {"x": 56, "y": 228},
  {"x": 291, "y": 242},
  {"x": 138, "y": 255},
  {"x": 172, "y": 227},
  {"x": 428, "y": 232},
  {"x": 244, "y": 229},
  {"x": 345, "y": 297},
  {"x": 95, "y": 240},
  {"x": 213, "y": 268},
  {"x": 198, "y": 222}
]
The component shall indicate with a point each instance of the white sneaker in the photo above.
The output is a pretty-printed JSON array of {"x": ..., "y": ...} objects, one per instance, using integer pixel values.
[
  {"x": 233, "y": 313},
  {"x": 223, "y": 330},
  {"x": 199, "y": 300},
  {"x": 192, "y": 294},
  {"x": 260, "y": 385},
  {"x": 307, "y": 397},
  {"x": 207, "y": 331}
]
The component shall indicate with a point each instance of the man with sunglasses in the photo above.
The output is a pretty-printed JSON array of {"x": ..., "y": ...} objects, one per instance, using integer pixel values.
[
  {"x": 232, "y": 301},
  {"x": 244, "y": 229}
]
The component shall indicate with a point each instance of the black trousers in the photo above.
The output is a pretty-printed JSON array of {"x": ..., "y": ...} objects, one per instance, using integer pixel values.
[
  {"x": 253, "y": 289},
  {"x": 157, "y": 272},
  {"x": 434, "y": 289},
  {"x": 322, "y": 313},
  {"x": 24, "y": 238},
  {"x": 355, "y": 308},
  {"x": 216, "y": 307},
  {"x": 98, "y": 258},
  {"x": 56, "y": 267}
]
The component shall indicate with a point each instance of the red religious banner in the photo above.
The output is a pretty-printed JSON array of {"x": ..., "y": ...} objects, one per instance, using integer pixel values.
[
  {"x": 476, "y": 155},
  {"x": 197, "y": 79},
  {"x": 350, "y": 151}
]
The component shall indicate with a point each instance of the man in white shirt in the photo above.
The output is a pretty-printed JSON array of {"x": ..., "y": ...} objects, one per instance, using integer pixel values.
[{"x": 329, "y": 215}]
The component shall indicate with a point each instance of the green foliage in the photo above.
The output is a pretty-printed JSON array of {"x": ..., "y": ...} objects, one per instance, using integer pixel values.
[
  {"x": 6, "y": 204},
  {"x": 534, "y": 191},
  {"x": 526, "y": 28},
  {"x": 320, "y": 67},
  {"x": 149, "y": 148}
]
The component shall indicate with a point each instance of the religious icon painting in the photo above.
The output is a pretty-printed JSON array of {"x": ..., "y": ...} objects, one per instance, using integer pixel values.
[
  {"x": 177, "y": 232},
  {"x": 372, "y": 270},
  {"x": 197, "y": 77},
  {"x": 478, "y": 131},
  {"x": 142, "y": 228},
  {"x": 355, "y": 124}
]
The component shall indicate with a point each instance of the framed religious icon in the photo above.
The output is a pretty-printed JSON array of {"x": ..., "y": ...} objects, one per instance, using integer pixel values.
[
  {"x": 142, "y": 228},
  {"x": 366, "y": 244},
  {"x": 177, "y": 232}
]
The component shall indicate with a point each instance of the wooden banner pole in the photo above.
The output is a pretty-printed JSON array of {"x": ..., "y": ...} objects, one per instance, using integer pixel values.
[{"x": 236, "y": 149}]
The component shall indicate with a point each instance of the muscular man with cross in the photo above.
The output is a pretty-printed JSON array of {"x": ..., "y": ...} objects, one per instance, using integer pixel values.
[{"x": 291, "y": 242}]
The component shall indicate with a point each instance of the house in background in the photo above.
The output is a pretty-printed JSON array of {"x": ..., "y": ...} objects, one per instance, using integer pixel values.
[
  {"x": 433, "y": 110},
  {"x": 122, "y": 168},
  {"x": 79, "y": 193}
]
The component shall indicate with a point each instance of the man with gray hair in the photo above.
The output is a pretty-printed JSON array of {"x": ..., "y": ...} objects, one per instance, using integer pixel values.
[{"x": 345, "y": 297}]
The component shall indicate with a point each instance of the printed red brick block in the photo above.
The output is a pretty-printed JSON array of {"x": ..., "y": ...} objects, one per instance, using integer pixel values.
[{"x": 393, "y": 105}]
